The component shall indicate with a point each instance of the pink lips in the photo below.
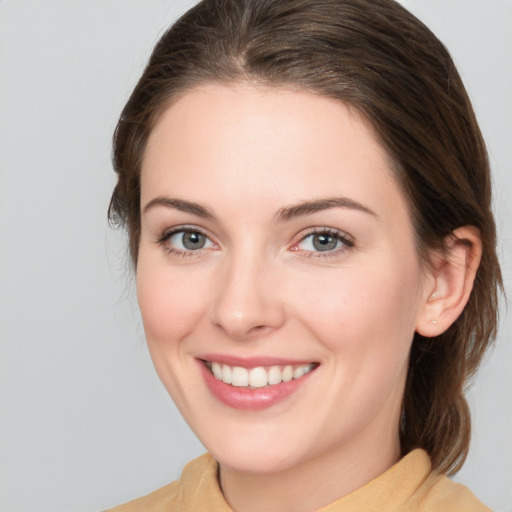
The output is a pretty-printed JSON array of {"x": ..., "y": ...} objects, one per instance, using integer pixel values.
[{"x": 247, "y": 398}]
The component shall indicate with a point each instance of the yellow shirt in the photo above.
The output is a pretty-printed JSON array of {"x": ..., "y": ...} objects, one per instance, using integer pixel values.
[{"x": 408, "y": 486}]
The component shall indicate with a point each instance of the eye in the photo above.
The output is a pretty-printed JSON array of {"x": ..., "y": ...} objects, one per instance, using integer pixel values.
[
  {"x": 324, "y": 241},
  {"x": 185, "y": 240},
  {"x": 188, "y": 240}
]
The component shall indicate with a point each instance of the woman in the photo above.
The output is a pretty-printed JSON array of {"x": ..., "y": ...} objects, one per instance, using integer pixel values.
[{"x": 307, "y": 195}]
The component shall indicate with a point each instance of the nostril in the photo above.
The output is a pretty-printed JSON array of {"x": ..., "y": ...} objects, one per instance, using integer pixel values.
[
  {"x": 258, "y": 329},
  {"x": 241, "y": 332}
]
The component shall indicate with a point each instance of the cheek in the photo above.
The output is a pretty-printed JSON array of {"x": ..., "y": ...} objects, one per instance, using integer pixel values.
[
  {"x": 169, "y": 303},
  {"x": 361, "y": 307}
]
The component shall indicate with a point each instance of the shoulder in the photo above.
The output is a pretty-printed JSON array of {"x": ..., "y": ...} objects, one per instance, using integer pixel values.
[
  {"x": 198, "y": 474},
  {"x": 159, "y": 500},
  {"x": 426, "y": 490},
  {"x": 439, "y": 493}
]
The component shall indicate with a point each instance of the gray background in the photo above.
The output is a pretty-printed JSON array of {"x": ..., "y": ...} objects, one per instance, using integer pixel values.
[{"x": 85, "y": 424}]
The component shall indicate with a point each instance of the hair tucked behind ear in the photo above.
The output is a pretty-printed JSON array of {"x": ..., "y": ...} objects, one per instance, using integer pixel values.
[{"x": 377, "y": 57}]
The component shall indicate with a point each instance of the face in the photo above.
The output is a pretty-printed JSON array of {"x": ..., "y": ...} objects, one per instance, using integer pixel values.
[{"x": 277, "y": 278}]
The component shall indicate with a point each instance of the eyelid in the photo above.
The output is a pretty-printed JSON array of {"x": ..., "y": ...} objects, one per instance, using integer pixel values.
[
  {"x": 167, "y": 234},
  {"x": 186, "y": 228},
  {"x": 346, "y": 239}
]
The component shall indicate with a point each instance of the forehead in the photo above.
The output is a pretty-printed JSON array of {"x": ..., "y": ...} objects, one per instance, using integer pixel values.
[{"x": 224, "y": 142}]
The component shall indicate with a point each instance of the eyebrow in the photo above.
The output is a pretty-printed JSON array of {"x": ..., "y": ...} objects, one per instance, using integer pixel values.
[
  {"x": 181, "y": 205},
  {"x": 310, "y": 207},
  {"x": 284, "y": 214}
]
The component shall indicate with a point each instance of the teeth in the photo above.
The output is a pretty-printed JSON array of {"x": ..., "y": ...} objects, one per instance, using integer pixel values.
[
  {"x": 217, "y": 370},
  {"x": 274, "y": 375},
  {"x": 298, "y": 372},
  {"x": 240, "y": 377},
  {"x": 258, "y": 377},
  {"x": 227, "y": 374},
  {"x": 287, "y": 374}
]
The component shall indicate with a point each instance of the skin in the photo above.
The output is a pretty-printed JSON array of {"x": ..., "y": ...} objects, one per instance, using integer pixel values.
[{"x": 260, "y": 288}]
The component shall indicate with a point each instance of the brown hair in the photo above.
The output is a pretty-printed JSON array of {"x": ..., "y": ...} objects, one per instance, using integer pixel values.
[{"x": 377, "y": 57}]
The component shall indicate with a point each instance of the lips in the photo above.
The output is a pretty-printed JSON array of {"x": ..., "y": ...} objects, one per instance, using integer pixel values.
[{"x": 254, "y": 384}]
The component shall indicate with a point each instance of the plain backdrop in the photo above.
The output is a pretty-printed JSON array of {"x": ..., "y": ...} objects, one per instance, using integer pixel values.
[{"x": 85, "y": 423}]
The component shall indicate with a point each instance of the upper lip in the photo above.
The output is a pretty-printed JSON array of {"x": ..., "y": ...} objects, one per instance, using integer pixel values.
[{"x": 252, "y": 362}]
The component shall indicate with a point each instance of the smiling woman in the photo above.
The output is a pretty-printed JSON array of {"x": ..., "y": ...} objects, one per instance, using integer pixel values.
[
  {"x": 307, "y": 195},
  {"x": 297, "y": 294}
]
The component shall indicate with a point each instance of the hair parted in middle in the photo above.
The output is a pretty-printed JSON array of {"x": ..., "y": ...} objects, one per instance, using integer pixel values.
[{"x": 378, "y": 58}]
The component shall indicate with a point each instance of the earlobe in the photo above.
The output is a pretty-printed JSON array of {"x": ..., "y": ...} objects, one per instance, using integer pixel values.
[{"x": 453, "y": 273}]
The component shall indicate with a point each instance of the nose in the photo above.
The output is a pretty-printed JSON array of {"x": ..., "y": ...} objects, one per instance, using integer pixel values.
[{"x": 247, "y": 301}]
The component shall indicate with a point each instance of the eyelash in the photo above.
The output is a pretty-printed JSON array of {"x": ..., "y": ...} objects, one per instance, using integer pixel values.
[
  {"x": 167, "y": 235},
  {"x": 346, "y": 241}
]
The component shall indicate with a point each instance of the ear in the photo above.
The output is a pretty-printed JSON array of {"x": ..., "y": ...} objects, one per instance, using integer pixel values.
[{"x": 450, "y": 281}]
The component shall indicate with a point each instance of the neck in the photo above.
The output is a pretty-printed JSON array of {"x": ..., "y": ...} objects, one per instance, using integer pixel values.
[{"x": 313, "y": 484}]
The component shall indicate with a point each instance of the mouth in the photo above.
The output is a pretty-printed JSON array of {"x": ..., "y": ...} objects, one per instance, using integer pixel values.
[{"x": 258, "y": 376}]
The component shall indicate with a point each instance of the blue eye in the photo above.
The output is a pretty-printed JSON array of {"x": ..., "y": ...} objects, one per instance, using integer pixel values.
[{"x": 324, "y": 241}]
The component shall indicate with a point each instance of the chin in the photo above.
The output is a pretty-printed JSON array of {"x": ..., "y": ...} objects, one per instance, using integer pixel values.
[{"x": 253, "y": 458}]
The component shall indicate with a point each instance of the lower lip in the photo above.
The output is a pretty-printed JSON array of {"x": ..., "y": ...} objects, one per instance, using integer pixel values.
[{"x": 251, "y": 399}]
